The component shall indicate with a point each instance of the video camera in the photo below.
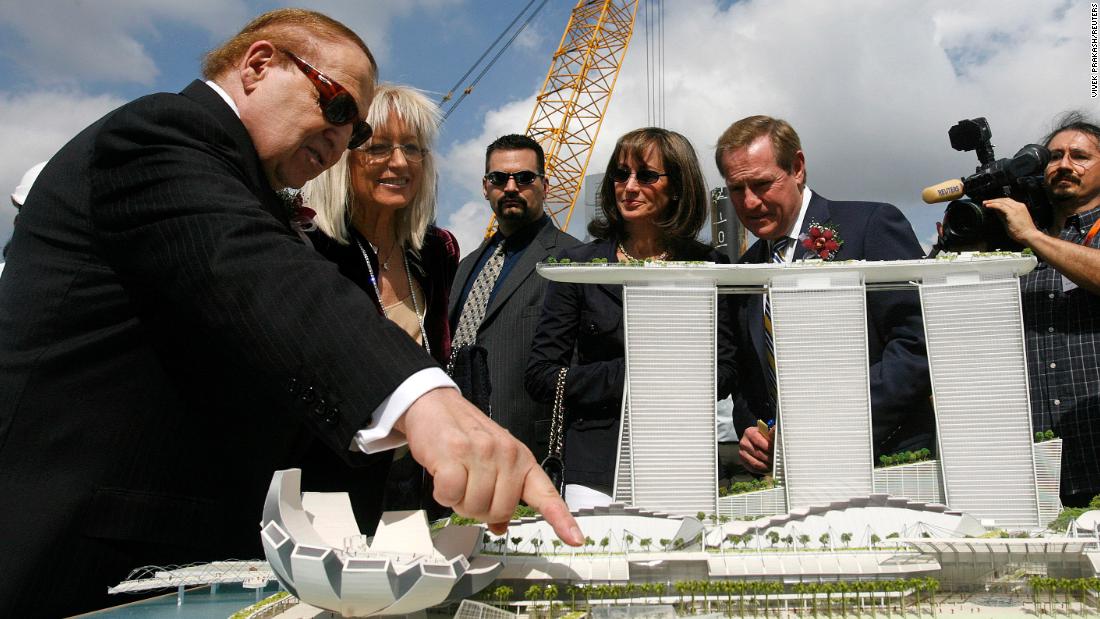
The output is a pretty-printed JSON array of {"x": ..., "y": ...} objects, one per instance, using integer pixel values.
[{"x": 967, "y": 225}]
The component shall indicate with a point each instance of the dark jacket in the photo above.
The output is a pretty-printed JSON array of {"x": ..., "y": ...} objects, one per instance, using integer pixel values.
[
  {"x": 433, "y": 267},
  {"x": 506, "y": 332},
  {"x": 582, "y": 327},
  {"x": 901, "y": 412},
  {"x": 166, "y": 344},
  {"x": 402, "y": 484}
]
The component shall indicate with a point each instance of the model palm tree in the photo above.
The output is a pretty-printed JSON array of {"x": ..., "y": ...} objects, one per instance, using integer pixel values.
[
  {"x": 845, "y": 538},
  {"x": 533, "y": 594},
  {"x": 550, "y": 593},
  {"x": 933, "y": 586},
  {"x": 645, "y": 543},
  {"x": 875, "y": 539},
  {"x": 1035, "y": 583},
  {"x": 844, "y": 588},
  {"x": 827, "y": 588},
  {"x": 682, "y": 588},
  {"x": 502, "y": 594},
  {"x": 572, "y": 590},
  {"x": 824, "y": 539}
]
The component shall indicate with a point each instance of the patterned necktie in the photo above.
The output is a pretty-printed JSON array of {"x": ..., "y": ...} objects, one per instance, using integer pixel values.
[
  {"x": 473, "y": 310},
  {"x": 778, "y": 248}
]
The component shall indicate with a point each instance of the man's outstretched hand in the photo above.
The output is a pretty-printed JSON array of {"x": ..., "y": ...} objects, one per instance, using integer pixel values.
[{"x": 480, "y": 470}]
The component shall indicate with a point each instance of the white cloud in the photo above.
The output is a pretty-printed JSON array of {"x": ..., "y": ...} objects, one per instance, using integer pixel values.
[
  {"x": 468, "y": 225},
  {"x": 372, "y": 21},
  {"x": 461, "y": 168},
  {"x": 871, "y": 89},
  {"x": 34, "y": 127},
  {"x": 104, "y": 40}
]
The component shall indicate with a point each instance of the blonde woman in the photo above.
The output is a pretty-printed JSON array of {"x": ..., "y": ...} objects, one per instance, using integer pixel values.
[{"x": 374, "y": 213}]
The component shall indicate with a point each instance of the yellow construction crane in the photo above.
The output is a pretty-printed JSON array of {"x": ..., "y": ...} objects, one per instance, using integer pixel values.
[{"x": 571, "y": 105}]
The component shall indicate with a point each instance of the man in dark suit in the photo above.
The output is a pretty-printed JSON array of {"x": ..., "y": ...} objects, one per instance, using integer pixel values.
[
  {"x": 525, "y": 236},
  {"x": 167, "y": 341},
  {"x": 762, "y": 162}
]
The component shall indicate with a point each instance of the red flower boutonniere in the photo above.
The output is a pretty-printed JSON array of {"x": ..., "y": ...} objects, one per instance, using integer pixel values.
[
  {"x": 301, "y": 216},
  {"x": 822, "y": 240}
]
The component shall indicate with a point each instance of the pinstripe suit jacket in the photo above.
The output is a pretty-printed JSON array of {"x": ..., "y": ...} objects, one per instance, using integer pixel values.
[
  {"x": 166, "y": 343},
  {"x": 506, "y": 332}
]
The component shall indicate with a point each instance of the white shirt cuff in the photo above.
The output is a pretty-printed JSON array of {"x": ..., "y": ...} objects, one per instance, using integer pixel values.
[{"x": 380, "y": 435}]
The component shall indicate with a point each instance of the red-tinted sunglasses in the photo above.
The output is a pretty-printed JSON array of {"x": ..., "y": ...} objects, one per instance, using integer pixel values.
[{"x": 337, "y": 104}]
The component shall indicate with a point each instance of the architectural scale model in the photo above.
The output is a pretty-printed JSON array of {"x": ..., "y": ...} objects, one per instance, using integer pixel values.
[
  {"x": 972, "y": 519},
  {"x": 318, "y": 554}
]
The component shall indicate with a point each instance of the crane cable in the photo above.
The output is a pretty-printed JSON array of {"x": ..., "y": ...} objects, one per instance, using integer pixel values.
[
  {"x": 470, "y": 88},
  {"x": 655, "y": 62}
]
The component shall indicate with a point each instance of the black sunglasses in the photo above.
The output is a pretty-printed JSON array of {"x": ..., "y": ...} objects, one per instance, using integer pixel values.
[
  {"x": 645, "y": 177},
  {"x": 523, "y": 177},
  {"x": 337, "y": 105}
]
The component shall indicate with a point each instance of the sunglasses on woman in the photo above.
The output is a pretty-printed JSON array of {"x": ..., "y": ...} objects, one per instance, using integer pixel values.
[
  {"x": 337, "y": 105},
  {"x": 645, "y": 177},
  {"x": 500, "y": 179}
]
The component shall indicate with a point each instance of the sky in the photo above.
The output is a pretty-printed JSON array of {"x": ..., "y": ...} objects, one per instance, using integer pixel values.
[{"x": 871, "y": 86}]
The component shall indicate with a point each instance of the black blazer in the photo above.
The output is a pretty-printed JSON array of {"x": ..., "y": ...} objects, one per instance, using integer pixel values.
[
  {"x": 405, "y": 486},
  {"x": 582, "y": 327},
  {"x": 433, "y": 267},
  {"x": 506, "y": 333},
  {"x": 901, "y": 411},
  {"x": 166, "y": 343}
]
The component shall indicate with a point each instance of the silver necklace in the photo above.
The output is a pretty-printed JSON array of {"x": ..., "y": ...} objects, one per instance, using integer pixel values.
[
  {"x": 412, "y": 293},
  {"x": 661, "y": 256},
  {"x": 385, "y": 264}
]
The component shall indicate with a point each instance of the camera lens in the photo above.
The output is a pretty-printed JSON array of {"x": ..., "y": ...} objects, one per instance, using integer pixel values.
[{"x": 963, "y": 222}]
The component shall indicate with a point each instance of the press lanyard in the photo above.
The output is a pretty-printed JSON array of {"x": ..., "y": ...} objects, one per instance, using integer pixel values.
[{"x": 1092, "y": 232}]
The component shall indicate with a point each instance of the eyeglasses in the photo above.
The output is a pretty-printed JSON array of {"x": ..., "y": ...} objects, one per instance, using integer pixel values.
[
  {"x": 645, "y": 177},
  {"x": 377, "y": 151},
  {"x": 337, "y": 105},
  {"x": 523, "y": 177}
]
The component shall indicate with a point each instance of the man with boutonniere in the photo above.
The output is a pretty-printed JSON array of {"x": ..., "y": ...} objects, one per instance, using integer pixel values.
[{"x": 764, "y": 168}]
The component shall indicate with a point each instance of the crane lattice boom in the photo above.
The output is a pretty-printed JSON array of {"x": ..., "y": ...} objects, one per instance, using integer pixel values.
[{"x": 571, "y": 105}]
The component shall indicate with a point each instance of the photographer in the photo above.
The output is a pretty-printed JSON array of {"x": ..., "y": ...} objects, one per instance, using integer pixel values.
[{"x": 1061, "y": 303}]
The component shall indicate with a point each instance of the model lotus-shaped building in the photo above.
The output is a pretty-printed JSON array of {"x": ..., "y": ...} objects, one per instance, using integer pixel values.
[{"x": 317, "y": 552}]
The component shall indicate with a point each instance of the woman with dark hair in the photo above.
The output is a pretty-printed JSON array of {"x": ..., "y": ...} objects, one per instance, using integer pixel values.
[
  {"x": 654, "y": 203},
  {"x": 374, "y": 213}
]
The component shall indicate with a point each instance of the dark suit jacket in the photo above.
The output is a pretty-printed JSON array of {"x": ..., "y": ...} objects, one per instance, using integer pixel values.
[
  {"x": 506, "y": 333},
  {"x": 166, "y": 343},
  {"x": 900, "y": 385},
  {"x": 582, "y": 328}
]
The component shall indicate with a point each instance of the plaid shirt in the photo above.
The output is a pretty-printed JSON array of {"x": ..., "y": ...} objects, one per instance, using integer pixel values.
[{"x": 1062, "y": 323}]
